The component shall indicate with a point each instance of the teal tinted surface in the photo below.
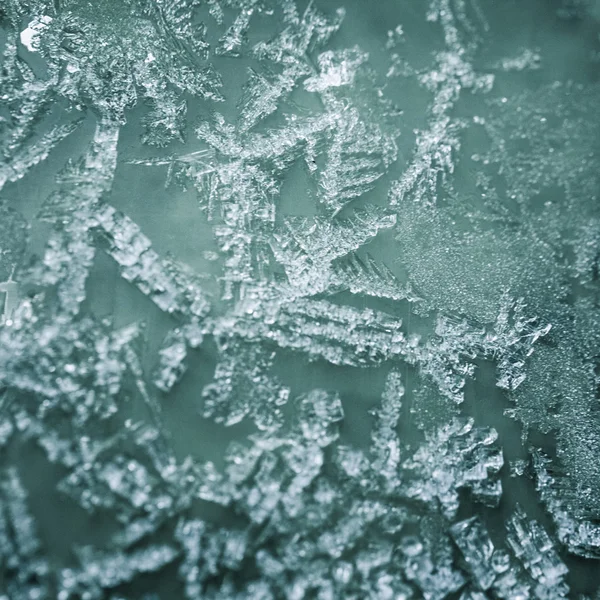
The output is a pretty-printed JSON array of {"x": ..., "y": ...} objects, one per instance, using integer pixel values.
[{"x": 414, "y": 209}]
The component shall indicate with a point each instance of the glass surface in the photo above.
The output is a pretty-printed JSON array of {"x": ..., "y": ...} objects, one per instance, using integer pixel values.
[{"x": 299, "y": 299}]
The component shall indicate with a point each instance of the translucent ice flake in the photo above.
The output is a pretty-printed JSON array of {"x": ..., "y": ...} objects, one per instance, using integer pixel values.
[
  {"x": 385, "y": 444},
  {"x": 172, "y": 357},
  {"x": 317, "y": 254},
  {"x": 178, "y": 18},
  {"x": 106, "y": 570},
  {"x": 319, "y": 415},
  {"x": 436, "y": 146},
  {"x": 24, "y": 569},
  {"x": 356, "y": 158},
  {"x": 366, "y": 276},
  {"x": 16, "y": 166},
  {"x": 580, "y": 535},
  {"x": 435, "y": 577},
  {"x": 262, "y": 94},
  {"x": 242, "y": 386},
  {"x": 532, "y": 545},
  {"x": 302, "y": 34},
  {"x": 349, "y": 529},
  {"x": 30, "y": 35},
  {"x": 232, "y": 42},
  {"x": 323, "y": 240},
  {"x": 511, "y": 341},
  {"x": 70, "y": 252},
  {"x": 477, "y": 549},
  {"x": 336, "y": 69},
  {"x": 340, "y": 334},
  {"x": 456, "y": 456},
  {"x": 171, "y": 286},
  {"x": 528, "y": 59},
  {"x": 29, "y": 100},
  {"x": 432, "y": 163}
]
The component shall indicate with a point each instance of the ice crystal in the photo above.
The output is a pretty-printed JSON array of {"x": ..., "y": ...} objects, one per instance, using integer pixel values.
[
  {"x": 474, "y": 457},
  {"x": 284, "y": 481},
  {"x": 311, "y": 251},
  {"x": 477, "y": 548},
  {"x": 356, "y": 157},
  {"x": 20, "y": 546},
  {"x": 532, "y": 545},
  {"x": 242, "y": 385},
  {"x": 103, "y": 571}
]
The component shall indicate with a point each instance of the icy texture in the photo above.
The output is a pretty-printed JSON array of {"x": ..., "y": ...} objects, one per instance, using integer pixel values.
[
  {"x": 532, "y": 545},
  {"x": 243, "y": 386},
  {"x": 315, "y": 517},
  {"x": 415, "y": 216},
  {"x": 456, "y": 456},
  {"x": 581, "y": 536},
  {"x": 22, "y": 559},
  {"x": 534, "y": 570},
  {"x": 477, "y": 548}
]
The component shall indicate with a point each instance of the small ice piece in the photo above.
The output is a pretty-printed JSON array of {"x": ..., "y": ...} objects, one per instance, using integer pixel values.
[
  {"x": 30, "y": 36},
  {"x": 10, "y": 287},
  {"x": 348, "y": 530},
  {"x": 455, "y": 456},
  {"x": 234, "y": 548},
  {"x": 172, "y": 357},
  {"x": 385, "y": 445},
  {"x": 244, "y": 386},
  {"x": 437, "y": 579},
  {"x": 320, "y": 414},
  {"x": 528, "y": 59},
  {"x": 534, "y": 548},
  {"x": 106, "y": 569},
  {"x": 352, "y": 462},
  {"x": 518, "y": 467},
  {"x": 337, "y": 68},
  {"x": 477, "y": 549},
  {"x": 128, "y": 479},
  {"x": 394, "y": 37}
]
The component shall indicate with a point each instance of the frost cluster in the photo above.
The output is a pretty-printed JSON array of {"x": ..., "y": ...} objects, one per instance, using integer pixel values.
[{"x": 345, "y": 232}]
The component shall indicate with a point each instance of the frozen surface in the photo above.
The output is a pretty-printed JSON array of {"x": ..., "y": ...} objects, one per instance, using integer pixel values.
[{"x": 299, "y": 300}]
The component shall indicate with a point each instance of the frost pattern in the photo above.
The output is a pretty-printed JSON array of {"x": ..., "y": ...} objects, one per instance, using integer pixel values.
[{"x": 422, "y": 262}]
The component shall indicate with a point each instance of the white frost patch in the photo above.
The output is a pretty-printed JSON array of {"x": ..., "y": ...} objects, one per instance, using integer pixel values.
[
  {"x": 337, "y": 68},
  {"x": 30, "y": 35}
]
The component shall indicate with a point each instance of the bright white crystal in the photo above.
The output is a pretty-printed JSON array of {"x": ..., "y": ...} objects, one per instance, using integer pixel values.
[{"x": 31, "y": 34}]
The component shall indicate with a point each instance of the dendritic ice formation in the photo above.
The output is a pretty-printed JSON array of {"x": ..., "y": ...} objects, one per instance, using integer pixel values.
[{"x": 224, "y": 217}]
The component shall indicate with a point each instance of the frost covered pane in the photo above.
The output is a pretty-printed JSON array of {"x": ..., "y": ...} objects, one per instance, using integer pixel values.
[{"x": 299, "y": 300}]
